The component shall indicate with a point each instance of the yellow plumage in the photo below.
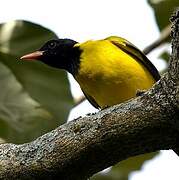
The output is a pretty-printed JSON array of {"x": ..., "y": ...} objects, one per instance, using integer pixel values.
[
  {"x": 109, "y": 71},
  {"x": 108, "y": 75}
]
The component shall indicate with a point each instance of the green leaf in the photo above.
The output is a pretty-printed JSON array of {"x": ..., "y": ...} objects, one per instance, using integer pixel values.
[
  {"x": 47, "y": 86},
  {"x": 165, "y": 56},
  {"x": 122, "y": 170},
  {"x": 20, "y": 116},
  {"x": 163, "y": 10},
  {"x": 19, "y": 37}
]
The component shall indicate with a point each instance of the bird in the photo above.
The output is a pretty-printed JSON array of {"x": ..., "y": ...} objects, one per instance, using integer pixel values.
[{"x": 109, "y": 71}]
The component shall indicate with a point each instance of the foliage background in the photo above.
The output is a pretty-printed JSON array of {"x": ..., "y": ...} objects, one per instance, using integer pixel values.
[{"x": 34, "y": 98}]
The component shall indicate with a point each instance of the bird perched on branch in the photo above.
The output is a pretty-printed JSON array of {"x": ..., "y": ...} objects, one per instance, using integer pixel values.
[{"x": 109, "y": 71}]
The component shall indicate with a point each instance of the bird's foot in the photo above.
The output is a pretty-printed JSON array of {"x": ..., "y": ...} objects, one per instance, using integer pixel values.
[
  {"x": 140, "y": 92},
  {"x": 105, "y": 107}
]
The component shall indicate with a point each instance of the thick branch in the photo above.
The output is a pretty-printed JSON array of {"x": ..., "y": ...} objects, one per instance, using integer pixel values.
[
  {"x": 78, "y": 149},
  {"x": 87, "y": 145}
]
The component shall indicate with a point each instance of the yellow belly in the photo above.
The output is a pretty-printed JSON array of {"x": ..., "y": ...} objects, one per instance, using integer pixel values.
[{"x": 109, "y": 75}]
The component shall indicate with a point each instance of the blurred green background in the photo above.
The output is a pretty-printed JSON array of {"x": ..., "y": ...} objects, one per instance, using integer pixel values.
[{"x": 35, "y": 99}]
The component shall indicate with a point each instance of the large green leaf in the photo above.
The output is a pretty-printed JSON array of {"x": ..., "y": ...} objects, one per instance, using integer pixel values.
[
  {"x": 122, "y": 170},
  {"x": 163, "y": 10},
  {"x": 47, "y": 86},
  {"x": 20, "y": 116}
]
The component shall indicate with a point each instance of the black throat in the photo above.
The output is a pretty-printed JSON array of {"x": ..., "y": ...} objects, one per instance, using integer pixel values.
[{"x": 73, "y": 61}]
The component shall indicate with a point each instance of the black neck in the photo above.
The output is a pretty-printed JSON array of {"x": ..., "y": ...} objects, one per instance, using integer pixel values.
[{"x": 73, "y": 61}]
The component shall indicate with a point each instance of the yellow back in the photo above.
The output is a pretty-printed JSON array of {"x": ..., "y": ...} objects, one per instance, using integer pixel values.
[{"x": 109, "y": 75}]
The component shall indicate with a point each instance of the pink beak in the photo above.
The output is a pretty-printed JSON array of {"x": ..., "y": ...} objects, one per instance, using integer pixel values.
[{"x": 32, "y": 56}]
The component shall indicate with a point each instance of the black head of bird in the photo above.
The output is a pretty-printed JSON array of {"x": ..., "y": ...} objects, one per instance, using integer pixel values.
[{"x": 59, "y": 53}]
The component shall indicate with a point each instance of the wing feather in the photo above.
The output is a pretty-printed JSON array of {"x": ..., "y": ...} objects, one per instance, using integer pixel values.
[
  {"x": 134, "y": 52},
  {"x": 91, "y": 100}
]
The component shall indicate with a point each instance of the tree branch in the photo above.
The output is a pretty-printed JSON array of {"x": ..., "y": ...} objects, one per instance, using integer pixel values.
[
  {"x": 79, "y": 100},
  {"x": 82, "y": 147},
  {"x": 164, "y": 36}
]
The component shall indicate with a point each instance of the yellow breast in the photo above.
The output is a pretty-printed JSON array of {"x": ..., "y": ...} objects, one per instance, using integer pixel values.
[{"x": 109, "y": 75}]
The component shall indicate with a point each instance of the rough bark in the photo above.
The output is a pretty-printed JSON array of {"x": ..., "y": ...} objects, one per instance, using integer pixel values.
[{"x": 78, "y": 149}]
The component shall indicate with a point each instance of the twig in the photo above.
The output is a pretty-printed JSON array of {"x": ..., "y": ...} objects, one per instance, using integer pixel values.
[
  {"x": 79, "y": 100},
  {"x": 165, "y": 34}
]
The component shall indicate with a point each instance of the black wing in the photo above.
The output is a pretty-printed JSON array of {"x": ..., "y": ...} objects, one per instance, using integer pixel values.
[{"x": 91, "y": 100}]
